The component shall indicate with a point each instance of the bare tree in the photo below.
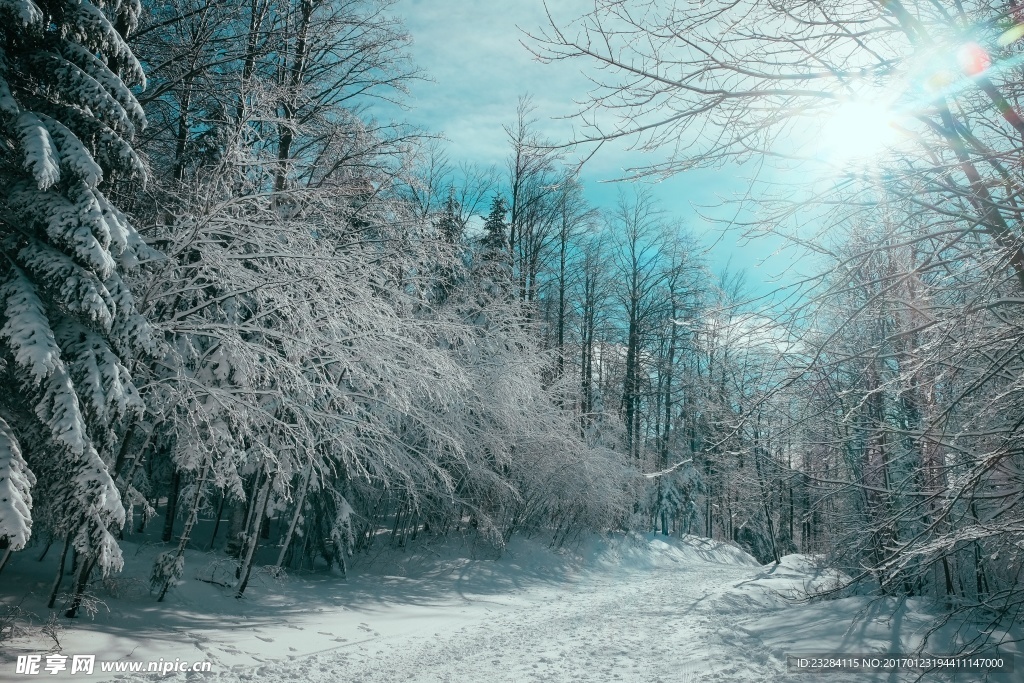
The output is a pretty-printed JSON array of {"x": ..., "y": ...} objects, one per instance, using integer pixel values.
[
  {"x": 533, "y": 206},
  {"x": 639, "y": 231}
]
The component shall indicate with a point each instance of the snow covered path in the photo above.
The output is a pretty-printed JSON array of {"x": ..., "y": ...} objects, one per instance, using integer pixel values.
[
  {"x": 635, "y": 610},
  {"x": 673, "y": 620},
  {"x": 668, "y": 625}
]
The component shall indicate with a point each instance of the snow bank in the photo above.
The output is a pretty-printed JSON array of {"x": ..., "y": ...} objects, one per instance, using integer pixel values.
[
  {"x": 789, "y": 621},
  {"x": 796, "y": 577},
  {"x": 640, "y": 552}
]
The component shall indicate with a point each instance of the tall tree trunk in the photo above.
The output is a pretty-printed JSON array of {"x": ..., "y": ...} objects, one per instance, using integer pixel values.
[
  {"x": 253, "y": 536},
  {"x": 293, "y": 85},
  {"x": 560, "y": 332},
  {"x": 186, "y": 532},
  {"x": 299, "y": 502},
  {"x": 60, "y": 573},
  {"x": 759, "y": 451},
  {"x": 6, "y": 548},
  {"x": 181, "y": 136},
  {"x": 630, "y": 391},
  {"x": 85, "y": 568},
  {"x": 216, "y": 523},
  {"x": 172, "y": 507}
]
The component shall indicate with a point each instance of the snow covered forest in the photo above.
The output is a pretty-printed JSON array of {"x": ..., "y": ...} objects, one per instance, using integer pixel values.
[{"x": 241, "y": 312}]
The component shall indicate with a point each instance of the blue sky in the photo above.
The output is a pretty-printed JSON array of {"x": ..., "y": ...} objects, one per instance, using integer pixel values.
[{"x": 472, "y": 50}]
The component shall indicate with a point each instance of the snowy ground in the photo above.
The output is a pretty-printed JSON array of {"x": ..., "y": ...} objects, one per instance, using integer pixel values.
[{"x": 649, "y": 609}]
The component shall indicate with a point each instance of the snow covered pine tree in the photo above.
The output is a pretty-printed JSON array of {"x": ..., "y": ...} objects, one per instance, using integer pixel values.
[{"x": 68, "y": 325}]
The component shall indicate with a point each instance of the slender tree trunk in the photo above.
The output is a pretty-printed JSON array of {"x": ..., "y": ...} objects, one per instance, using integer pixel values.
[
  {"x": 46, "y": 549},
  {"x": 216, "y": 523},
  {"x": 670, "y": 359},
  {"x": 242, "y": 521},
  {"x": 587, "y": 356},
  {"x": 178, "y": 170},
  {"x": 765, "y": 488},
  {"x": 253, "y": 536},
  {"x": 236, "y": 527},
  {"x": 293, "y": 84},
  {"x": 60, "y": 573},
  {"x": 190, "y": 522},
  {"x": 172, "y": 507},
  {"x": 563, "y": 246},
  {"x": 630, "y": 392},
  {"x": 7, "y": 550},
  {"x": 299, "y": 502},
  {"x": 84, "y": 570},
  {"x": 948, "y": 576}
]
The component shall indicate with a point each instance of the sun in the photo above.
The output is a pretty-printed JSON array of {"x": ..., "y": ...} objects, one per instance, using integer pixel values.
[{"x": 857, "y": 133}]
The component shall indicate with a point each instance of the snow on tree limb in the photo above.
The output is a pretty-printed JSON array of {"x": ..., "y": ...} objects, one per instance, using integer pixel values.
[
  {"x": 91, "y": 28},
  {"x": 41, "y": 157},
  {"x": 58, "y": 409},
  {"x": 75, "y": 222},
  {"x": 670, "y": 470},
  {"x": 16, "y": 482},
  {"x": 101, "y": 381},
  {"x": 74, "y": 156},
  {"x": 27, "y": 329},
  {"x": 110, "y": 82},
  {"x": 8, "y": 105},
  {"x": 25, "y": 11},
  {"x": 70, "y": 328},
  {"x": 80, "y": 290},
  {"x": 89, "y": 92}
]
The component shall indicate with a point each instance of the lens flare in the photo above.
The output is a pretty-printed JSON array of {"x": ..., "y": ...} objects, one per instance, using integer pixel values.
[
  {"x": 1011, "y": 35},
  {"x": 973, "y": 59}
]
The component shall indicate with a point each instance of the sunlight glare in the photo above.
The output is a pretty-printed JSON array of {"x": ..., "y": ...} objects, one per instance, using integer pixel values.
[{"x": 857, "y": 132}]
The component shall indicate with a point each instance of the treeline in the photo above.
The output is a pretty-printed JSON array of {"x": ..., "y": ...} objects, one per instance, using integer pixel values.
[{"x": 232, "y": 294}]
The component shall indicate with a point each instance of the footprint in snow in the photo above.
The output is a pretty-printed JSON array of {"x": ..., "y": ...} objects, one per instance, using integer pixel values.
[{"x": 265, "y": 640}]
